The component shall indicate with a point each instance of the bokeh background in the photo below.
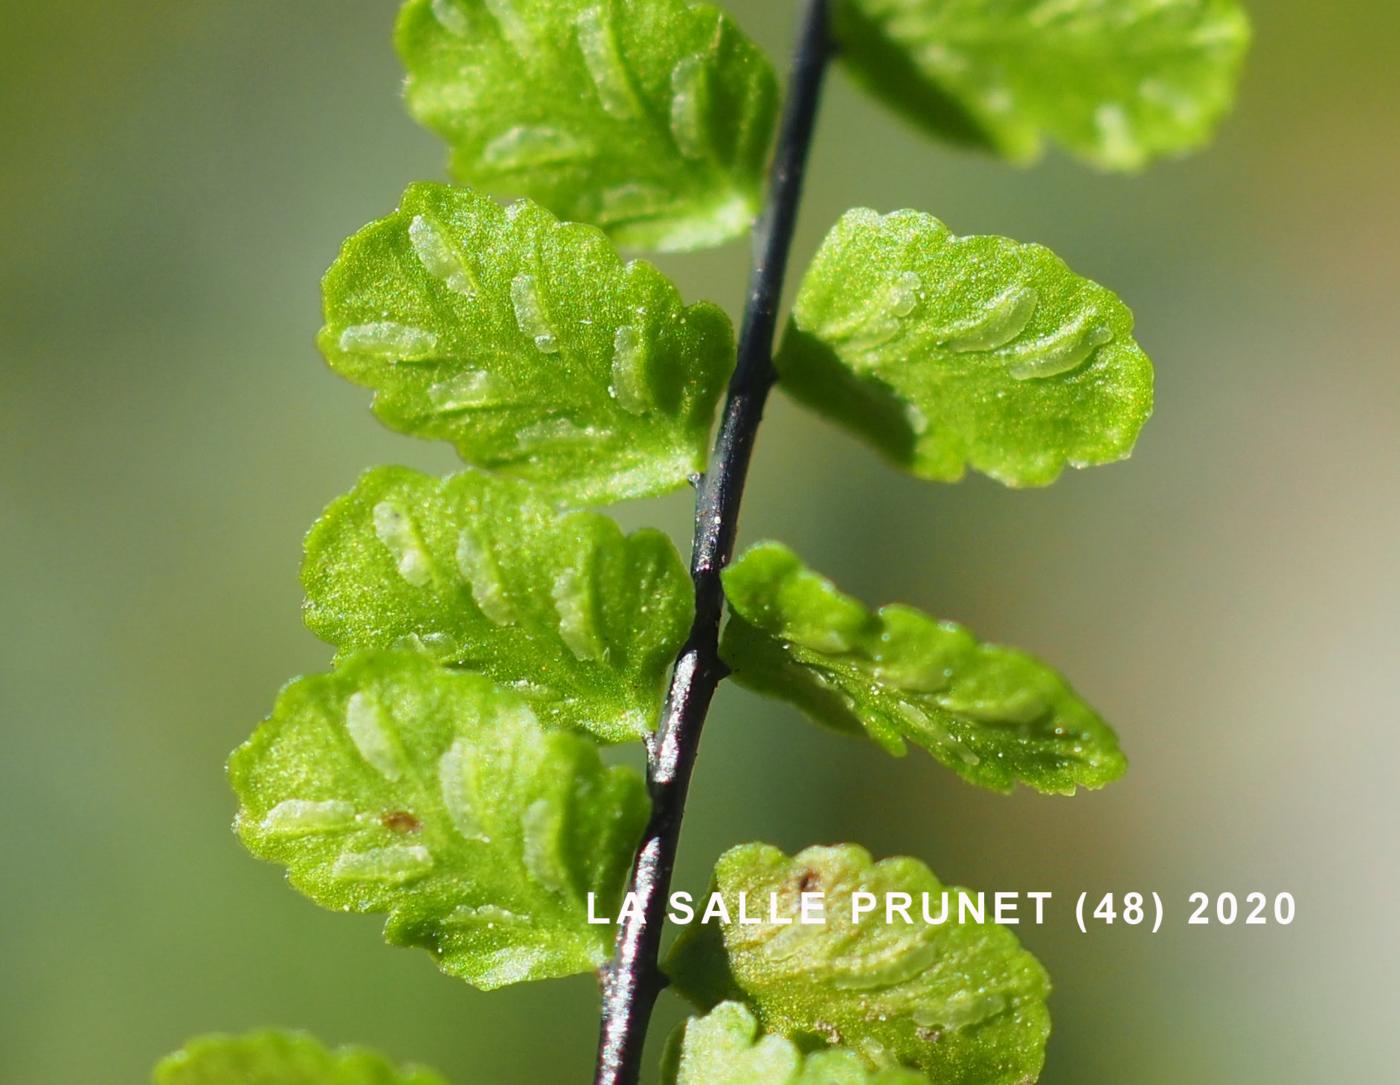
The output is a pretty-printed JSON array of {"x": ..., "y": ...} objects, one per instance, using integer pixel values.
[{"x": 175, "y": 178}]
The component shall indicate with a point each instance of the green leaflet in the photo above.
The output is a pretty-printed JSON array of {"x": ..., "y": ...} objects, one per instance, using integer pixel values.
[
  {"x": 528, "y": 344},
  {"x": 946, "y": 352},
  {"x": 964, "y": 1003},
  {"x": 476, "y": 571},
  {"x": 395, "y": 785},
  {"x": 281, "y": 1058},
  {"x": 650, "y": 118},
  {"x": 1115, "y": 82},
  {"x": 993, "y": 715},
  {"x": 723, "y": 1048}
]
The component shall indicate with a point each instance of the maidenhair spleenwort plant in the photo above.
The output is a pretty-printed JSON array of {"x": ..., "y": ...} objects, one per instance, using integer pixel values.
[{"x": 492, "y": 631}]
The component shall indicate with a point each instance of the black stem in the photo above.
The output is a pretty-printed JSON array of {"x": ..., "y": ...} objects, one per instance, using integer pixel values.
[{"x": 633, "y": 979}]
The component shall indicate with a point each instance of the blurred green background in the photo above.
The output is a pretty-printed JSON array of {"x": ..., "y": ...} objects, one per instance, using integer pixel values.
[{"x": 175, "y": 178}]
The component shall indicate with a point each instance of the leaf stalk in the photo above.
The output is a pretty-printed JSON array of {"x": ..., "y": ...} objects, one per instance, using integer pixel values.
[{"x": 632, "y": 980}]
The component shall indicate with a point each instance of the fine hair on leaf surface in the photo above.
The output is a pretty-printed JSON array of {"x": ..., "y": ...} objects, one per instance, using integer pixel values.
[
  {"x": 993, "y": 715},
  {"x": 895, "y": 993},
  {"x": 1116, "y": 83},
  {"x": 528, "y": 344},
  {"x": 947, "y": 352},
  {"x": 398, "y": 786},
  {"x": 650, "y": 118},
  {"x": 478, "y": 572}
]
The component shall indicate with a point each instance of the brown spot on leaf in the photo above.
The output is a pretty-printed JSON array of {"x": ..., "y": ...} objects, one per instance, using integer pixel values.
[
  {"x": 401, "y": 822},
  {"x": 809, "y": 878},
  {"x": 929, "y": 1035}
]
